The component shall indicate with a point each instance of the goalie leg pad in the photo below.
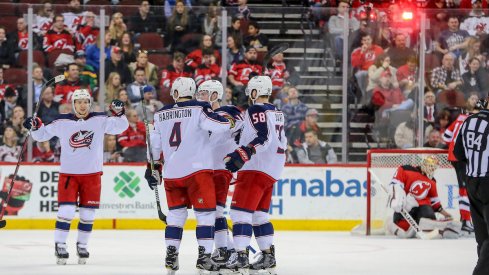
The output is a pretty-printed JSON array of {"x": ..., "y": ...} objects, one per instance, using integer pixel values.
[
  {"x": 429, "y": 224},
  {"x": 452, "y": 231},
  {"x": 401, "y": 230}
]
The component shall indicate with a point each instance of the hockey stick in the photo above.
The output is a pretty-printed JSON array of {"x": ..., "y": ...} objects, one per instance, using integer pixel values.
[
  {"x": 148, "y": 147},
  {"x": 422, "y": 235},
  {"x": 54, "y": 80},
  {"x": 280, "y": 48}
]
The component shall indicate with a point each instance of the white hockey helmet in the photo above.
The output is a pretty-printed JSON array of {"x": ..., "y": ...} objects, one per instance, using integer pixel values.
[
  {"x": 211, "y": 87},
  {"x": 262, "y": 84},
  {"x": 81, "y": 94},
  {"x": 429, "y": 165},
  {"x": 185, "y": 87}
]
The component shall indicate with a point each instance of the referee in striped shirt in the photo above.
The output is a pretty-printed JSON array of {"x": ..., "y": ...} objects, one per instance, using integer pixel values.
[{"x": 472, "y": 147}]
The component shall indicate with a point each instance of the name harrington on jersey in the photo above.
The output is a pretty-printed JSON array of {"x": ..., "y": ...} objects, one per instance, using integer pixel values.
[{"x": 175, "y": 114}]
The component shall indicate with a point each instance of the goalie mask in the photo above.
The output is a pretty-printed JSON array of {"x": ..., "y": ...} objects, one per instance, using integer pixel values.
[
  {"x": 429, "y": 165},
  {"x": 262, "y": 84},
  {"x": 81, "y": 94},
  {"x": 207, "y": 89},
  {"x": 185, "y": 87}
]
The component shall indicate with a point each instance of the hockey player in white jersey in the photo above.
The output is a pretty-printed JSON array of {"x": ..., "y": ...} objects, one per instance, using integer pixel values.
[
  {"x": 221, "y": 143},
  {"x": 181, "y": 135},
  {"x": 260, "y": 160},
  {"x": 81, "y": 135}
]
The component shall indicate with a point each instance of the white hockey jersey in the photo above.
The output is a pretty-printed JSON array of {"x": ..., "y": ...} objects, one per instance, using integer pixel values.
[
  {"x": 82, "y": 140},
  {"x": 225, "y": 143},
  {"x": 471, "y": 24},
  {"x": 181, "y": 132},
  {"x": 264, "y": 129}
]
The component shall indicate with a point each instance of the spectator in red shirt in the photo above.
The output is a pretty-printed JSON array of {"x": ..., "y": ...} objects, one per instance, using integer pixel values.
[
  {"x": 57, "y": 37},
  {"x": 239, "y": 74},
  {"x": 86, "y": 34},
  {"x": 64, "y": 90},
  {"x": 42, "y": 152},
  {"x": 194, "y": 59},
  {"x": 3, "y": 85},
  {"x": 133, "y": 140},
  {"x": 407, "y": 75},
  {"x": 207, "y": 70},
  {"x": 278, "y": 71},
  {"x": 177, "y": 69}
]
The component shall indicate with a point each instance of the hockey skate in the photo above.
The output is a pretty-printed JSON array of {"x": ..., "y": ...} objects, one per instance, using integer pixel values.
[
  {"x": 467, "y": 229},
  {"x": 239, "y": 263},
  {"x": 61, "y": 254},
  {"x": 171, "y": 260},
  {"x": 220, "y": 256},
  {"x": 82, "y": 252},
  {"x": 205, "y": 265},
  {"x": 266, "y": 262}
]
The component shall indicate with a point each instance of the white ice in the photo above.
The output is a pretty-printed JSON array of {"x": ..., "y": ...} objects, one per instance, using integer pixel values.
[{"x": 336, "y": 253}]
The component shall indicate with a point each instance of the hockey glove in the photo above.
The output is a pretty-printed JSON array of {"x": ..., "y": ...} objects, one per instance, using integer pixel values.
[
  {"x": 235, "y": 160},
  {"x": 117, "y": 108},
  {"x": 32, "y": 123},
  {"x": 153, "y": 177}
]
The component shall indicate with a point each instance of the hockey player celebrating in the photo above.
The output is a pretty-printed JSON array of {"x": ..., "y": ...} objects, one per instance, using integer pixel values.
[
  {"x": 81, "y": 135},
  {"x": 260, "y": 159},
  {"x": 414, "y": 190},
  {"x": 212, "y": 91},
  {"x": 181, "y": 133}
]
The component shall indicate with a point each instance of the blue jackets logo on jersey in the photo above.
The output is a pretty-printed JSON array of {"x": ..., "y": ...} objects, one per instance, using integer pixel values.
[{"x": 81, "y": 139}]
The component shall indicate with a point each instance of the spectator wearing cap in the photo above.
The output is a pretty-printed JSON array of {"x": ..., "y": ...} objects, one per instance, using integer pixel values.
[
  {"x": 150, "y": 69},
  {"x": 239, "y": 75},
  {"x": 295, "y": 110},
  {"x": 87, "y": 72},
  {"x": 255, "y": 38},
  {"x": 149, "y": 102},
  {"x": 177, "y": 69},
  {"x": 295, "y": 134},
  {"x": 477, "y": 22},
  {"x": 315, "y": 151},
  {"x": 8, "y": 104},
  {"x": 208, "y": 69},
  {"x": 115, "y": 64},
  {"x": 145, "y": 21},
  {"x": 86, "y": 33},
  {"x": 134, "y": 89}
]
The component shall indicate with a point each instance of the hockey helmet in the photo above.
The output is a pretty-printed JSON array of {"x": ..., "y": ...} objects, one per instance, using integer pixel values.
[
  {"x": 429, "y": 165},
  {"x": 185, "y": 87},
  {"x": 262, "y": 84},
  {"x": 81, "y": 94},
  {"x": 211, "y": 87}
]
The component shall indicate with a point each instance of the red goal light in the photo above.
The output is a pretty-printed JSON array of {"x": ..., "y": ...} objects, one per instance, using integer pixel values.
[{"x": 407, "y": 15}]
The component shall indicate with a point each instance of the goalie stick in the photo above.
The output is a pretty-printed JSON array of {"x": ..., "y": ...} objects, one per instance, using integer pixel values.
[
  {"x": 4, "y": 203},
  {"x": 422, "y": 235},
  {"x": 151, "y": 160}
]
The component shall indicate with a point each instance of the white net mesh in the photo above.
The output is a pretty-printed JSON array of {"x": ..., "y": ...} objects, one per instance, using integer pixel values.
[{"x": 383, "y": 163}]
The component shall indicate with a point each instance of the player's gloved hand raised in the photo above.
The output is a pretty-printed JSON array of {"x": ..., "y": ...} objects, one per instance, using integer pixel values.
[
  {"x": 32, "y": 123},
  {"x": 117, "y": 108},
  {"x": 235, "y": 160},
  {"x": 153, "y": 177}
]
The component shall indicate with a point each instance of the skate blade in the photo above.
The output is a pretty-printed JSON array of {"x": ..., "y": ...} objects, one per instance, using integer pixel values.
[
  {"x": 61, "y": 261},
  {"x": 82, "y": 260}
]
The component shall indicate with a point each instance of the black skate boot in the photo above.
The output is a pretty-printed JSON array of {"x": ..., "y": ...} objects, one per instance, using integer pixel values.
[
  {"x": 171, "y": 260},
  {"x": 82, "y": 252},
  {"x": 239, "y": 262},
  {"x": 220, "y": 257},
  {"x": 205, "y": 263},
  {"x": 467, "y": 229},
  {"x": 266, "y": 261},
  {"x": 61, "y": 254}
]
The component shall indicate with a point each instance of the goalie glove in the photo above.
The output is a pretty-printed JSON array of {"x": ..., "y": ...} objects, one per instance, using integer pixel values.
[
  {"x": 397, "y": 197},
  {"x": 117, "y": 108},
  {"x": 235, "y": 160},
  {"x": 32, "y": 123},
  {"x": 410, "y": 202},
  {"x": 153, "y": 177}
]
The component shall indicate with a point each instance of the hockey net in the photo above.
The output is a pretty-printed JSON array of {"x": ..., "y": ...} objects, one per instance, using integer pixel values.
[{"x": 384, "y": 163}]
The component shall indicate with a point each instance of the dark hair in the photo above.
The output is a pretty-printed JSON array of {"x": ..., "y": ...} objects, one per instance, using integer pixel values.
[
  {"x": 178, "y": 55},
  {"x": 207, "y": 51},
  {"x": 254, "y": 24},
  {"x": 71, "y": 64},
  {"x": 311, "y": 131},
  {"x": 450, "y": 16},
  {"x": 380, "y": 59},
  {"x": 412, "y": 58},
  {"x": 139, "y": 69},
  {"x": 467, "y": 67}
]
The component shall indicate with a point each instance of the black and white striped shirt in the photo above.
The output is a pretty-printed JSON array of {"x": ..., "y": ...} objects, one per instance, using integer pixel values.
[{"x": 472, "y": 144}]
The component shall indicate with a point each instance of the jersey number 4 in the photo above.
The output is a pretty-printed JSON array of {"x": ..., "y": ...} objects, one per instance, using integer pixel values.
[{"x": 176, "y": 135}]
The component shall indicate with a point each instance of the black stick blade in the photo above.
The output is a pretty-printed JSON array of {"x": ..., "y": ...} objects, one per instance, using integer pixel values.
[{"x": 3, "y": 223}]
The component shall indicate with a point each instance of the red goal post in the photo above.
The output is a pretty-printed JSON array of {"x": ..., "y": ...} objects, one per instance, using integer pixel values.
[{"x": 384, "y": 162}]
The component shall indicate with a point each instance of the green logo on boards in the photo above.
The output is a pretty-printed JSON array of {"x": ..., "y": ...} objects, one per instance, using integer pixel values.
[{"x": 127, "y": 184}]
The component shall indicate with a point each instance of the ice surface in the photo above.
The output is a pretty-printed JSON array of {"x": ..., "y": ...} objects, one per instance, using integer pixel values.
[{"x": 336, "y": 253}]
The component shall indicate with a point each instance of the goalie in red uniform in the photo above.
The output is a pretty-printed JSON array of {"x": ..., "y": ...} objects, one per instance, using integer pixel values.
[{"x": 413, "y": 188}]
